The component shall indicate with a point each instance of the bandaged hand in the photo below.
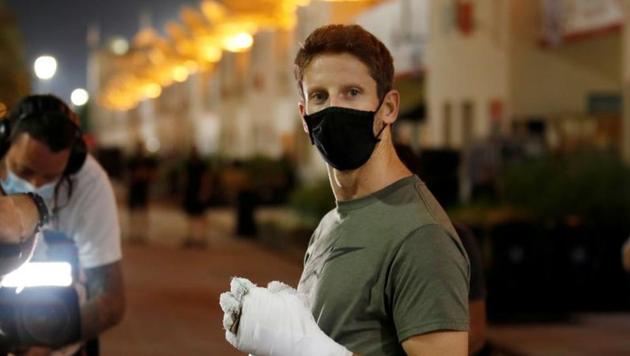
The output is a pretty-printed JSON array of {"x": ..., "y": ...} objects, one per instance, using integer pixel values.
[{"x": 273, "y": 321}]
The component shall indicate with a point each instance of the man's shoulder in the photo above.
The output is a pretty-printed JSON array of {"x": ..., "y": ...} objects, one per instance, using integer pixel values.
[
  {"x": 406, "y": 196},
  {"x": 91, "y": 179},
  {"x": 92, "y": 171},
  {"x": 326, "y": 223},
  {"x": 408, "y": 208}
]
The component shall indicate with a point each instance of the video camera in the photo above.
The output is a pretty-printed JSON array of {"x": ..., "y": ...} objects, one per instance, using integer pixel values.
[{"x": 39, "y": 304}]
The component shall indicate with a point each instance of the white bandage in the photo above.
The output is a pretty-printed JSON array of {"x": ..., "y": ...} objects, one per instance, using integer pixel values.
[{"x": 273, "y": 321}]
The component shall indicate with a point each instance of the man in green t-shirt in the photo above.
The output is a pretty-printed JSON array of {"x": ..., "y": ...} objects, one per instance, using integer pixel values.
[{"x": 384, "y": 273}]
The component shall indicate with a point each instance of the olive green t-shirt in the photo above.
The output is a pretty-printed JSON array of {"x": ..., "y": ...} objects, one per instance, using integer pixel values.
[{"x": 386, "y": 267}]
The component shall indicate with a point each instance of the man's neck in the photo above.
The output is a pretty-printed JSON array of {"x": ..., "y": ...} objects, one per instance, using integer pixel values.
[{"x": 381, "y": 170}]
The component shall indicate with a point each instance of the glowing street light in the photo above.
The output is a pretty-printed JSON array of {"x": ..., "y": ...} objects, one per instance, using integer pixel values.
[
  {"x": 239, "y": 42},
  {"x": 45, "y": 67},
  {"x": 152, "y": 90},
  {"x": 119, "y": 46},
  {"x": 180, "y": 73},
  {"x": 79, "y": 97},
  {"x": 211, "y": 53}
]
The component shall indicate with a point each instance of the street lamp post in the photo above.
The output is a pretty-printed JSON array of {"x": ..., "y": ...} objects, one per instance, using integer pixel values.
[
  {"x": 79, "y": 97},
  {"x": 45, "y": 68}
]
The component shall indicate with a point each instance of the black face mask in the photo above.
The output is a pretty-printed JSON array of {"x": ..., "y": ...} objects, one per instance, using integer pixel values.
[{"x": 343, "y": 136}]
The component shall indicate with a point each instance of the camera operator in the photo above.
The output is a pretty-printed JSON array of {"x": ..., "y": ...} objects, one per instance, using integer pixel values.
[{"x": 42, "y": 151}]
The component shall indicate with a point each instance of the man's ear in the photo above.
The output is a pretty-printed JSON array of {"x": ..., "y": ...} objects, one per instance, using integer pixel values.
[
  {"x": 390, "y": 107},
  {"x": 302, "y": 111}
]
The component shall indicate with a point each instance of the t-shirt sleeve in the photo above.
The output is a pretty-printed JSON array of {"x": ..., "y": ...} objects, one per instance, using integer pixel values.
[
  {"x": 97, "y": 232},
  {"x": 428, "y": 284}
]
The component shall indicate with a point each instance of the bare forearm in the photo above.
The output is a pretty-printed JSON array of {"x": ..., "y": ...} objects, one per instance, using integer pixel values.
[
  {"x": 8, "y": 264},
  {"x": 106, "y": 303},
  {"x": 437, "y": 343},
  {"x": 98, "y": 315},
  {"x": 18, "y": 218},
  {"x": 28, "y": 210},
  {"x": 478, "y": 324}
]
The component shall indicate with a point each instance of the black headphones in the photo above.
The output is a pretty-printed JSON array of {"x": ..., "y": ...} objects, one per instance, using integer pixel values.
[{"x": 35, "y": 107}]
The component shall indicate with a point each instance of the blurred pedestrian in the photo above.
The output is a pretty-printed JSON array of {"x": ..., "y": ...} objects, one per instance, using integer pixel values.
[
  {"x": 240, "y": 192},
  {"x": 196, "y": 194},
  {"x": 141, "y": 170},
  {"x": 482, "y": 167},
  {"x": 625, "y": 252}
]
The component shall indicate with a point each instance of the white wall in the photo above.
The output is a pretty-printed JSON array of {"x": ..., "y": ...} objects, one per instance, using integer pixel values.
[
  {"x": 549, "y": 80},
  {"x": 401, "y": 25},
  {"x": 466, "y": 67}
]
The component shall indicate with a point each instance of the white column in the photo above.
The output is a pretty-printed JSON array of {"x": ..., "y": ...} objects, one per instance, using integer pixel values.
[
  {"x": 196, "y": 109},
  {"x": 148, "y": 132}
]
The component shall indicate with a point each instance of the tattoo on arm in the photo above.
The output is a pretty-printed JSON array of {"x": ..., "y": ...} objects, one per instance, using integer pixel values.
[{"x": 105, "y": 304}]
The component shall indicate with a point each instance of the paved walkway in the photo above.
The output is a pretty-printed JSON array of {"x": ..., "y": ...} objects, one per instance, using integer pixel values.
[
  {"x": 173, "y": 295},
  {"x": 587, "y": 334}
]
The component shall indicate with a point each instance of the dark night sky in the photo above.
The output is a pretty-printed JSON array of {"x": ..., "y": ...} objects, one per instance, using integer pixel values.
[{"x": 58, "y": 27}]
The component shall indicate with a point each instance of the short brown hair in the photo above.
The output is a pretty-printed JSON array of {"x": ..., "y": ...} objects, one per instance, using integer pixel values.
[{"x": 351, "y": 39}]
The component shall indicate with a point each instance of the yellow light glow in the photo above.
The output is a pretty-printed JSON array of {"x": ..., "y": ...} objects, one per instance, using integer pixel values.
[
  {"x": 156, "y": 55},
  {"x": 237, "y": 26},
  {"x": 152, "y": 90},
  {"x": 213, "y": 10},
  {"x": 196, "y": 44},
  {"x": 239, "y": 42},
  {"x": 211, "y": 53},
  {"x": 164, "y": 77},
  {"x": 192, "y": 66},
  {"x": 180, "y": 74}
]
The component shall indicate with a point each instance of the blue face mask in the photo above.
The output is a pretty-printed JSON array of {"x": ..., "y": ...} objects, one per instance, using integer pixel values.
[{"x": 15, "y": 185}]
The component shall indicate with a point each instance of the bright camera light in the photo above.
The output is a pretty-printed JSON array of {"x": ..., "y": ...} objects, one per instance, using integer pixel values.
[
  {"x": 39, "y": 274},
  {"x": 45, "y": 67},
  {"x": 79, "y": 97}
]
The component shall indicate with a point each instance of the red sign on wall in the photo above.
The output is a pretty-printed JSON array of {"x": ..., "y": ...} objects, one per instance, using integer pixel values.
[
  {"x": 496, "y": 110},
  {"x": 465, "y": 16}
]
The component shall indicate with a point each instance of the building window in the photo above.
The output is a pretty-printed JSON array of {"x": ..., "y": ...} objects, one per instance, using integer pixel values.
[
  {"x": 447, "y": 124},
  {"x": 468, "y": 120}
]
